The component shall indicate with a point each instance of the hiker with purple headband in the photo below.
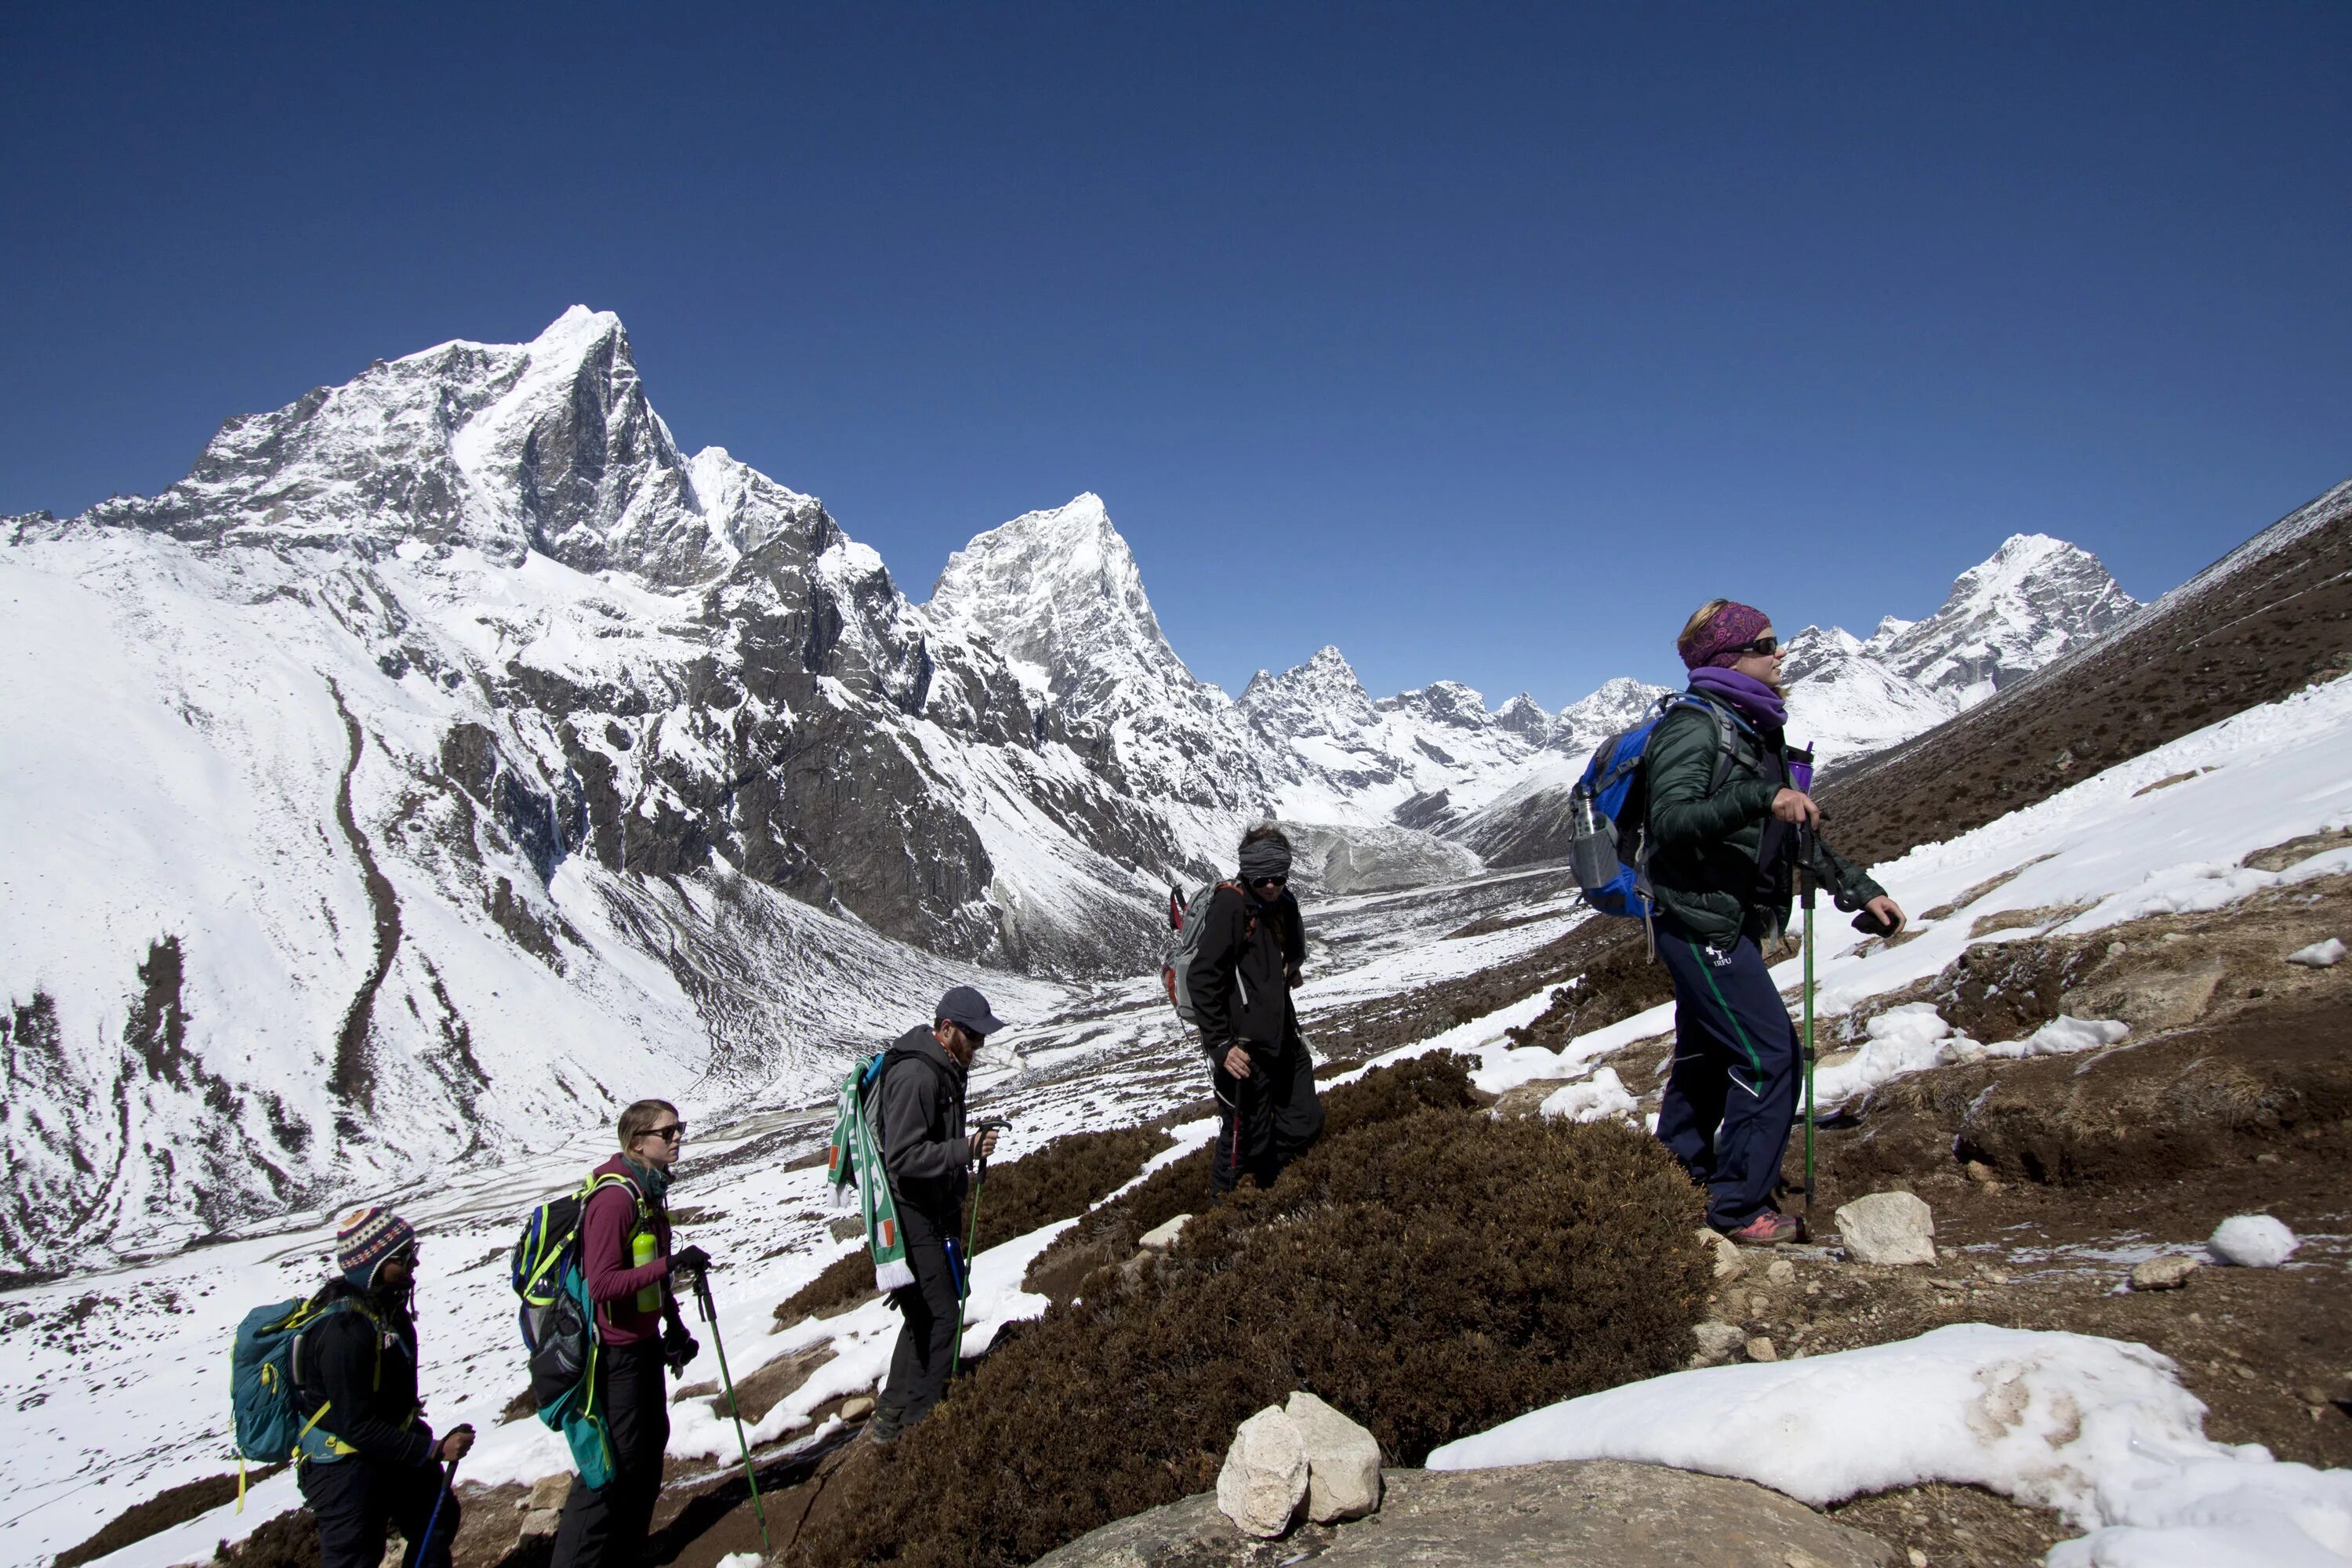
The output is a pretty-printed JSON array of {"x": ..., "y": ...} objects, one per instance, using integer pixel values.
[{"x": 1732, "y": 820}]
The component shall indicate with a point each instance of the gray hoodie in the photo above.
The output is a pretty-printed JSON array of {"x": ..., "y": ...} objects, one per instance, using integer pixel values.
[{"x": 923, "y": 1142}]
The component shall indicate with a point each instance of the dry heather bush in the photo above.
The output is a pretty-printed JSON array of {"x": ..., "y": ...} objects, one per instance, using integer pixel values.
[
  {"x": 1430, "y": 1275},
  {"x": 288, "y": 1541},
  {"x": 1046, "y": 1184},
  {"x": 1439, "y": 1081}
]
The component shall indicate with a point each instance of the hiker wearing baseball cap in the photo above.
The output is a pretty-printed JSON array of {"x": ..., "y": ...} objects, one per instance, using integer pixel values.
[
  {"x": 1731, "y": 822},
  {"x": 929, "y": 1158},
  {"x": 368, "y": 1463}
]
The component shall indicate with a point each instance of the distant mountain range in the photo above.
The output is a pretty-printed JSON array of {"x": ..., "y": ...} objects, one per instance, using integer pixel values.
[{"x": 450, "y": 756}]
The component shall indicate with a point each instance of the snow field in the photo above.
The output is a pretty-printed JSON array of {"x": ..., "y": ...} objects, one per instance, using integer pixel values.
[{"x": 2098, "y": 1429}]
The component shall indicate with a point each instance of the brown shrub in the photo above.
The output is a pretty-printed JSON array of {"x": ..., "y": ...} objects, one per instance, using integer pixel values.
[
  {"x": 1046, "y": 1184},
  {"x": 1438, "y": 1081},
  {"x": 1429, "y": 1274},
  {"x": 173, "y": 1505},
  {"x": 288, "y": 1541}
]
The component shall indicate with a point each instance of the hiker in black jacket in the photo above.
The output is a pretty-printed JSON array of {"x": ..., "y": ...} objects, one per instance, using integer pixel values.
[
  {"x": 928, "y": 1155},
  {"x": 370, "y": 1462},
  {"x": 1252, "y": 944}
]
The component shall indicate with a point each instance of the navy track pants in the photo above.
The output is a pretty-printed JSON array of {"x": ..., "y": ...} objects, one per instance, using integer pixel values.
[{"x": 1732, "y": 1096}]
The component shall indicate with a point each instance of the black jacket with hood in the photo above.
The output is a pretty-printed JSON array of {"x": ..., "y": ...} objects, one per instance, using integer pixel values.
[
  {"x": 361, "y": 1360},
  {"x": 1240, "y": 981},
  {"x": 923, "y": 1142}
]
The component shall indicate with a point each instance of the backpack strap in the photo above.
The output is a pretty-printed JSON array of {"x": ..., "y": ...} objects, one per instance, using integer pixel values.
[{"x": 1250, "y": 929}]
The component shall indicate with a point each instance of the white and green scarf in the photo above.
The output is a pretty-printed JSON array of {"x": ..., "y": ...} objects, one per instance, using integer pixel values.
[{"x": 857, "y": 1152}]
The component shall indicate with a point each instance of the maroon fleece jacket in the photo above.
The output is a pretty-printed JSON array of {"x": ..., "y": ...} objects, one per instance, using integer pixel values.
[{"x": 612, "y": 1284}]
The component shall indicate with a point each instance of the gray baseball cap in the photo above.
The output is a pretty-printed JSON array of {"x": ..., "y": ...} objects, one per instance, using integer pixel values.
[{"x": 968, "y": 1009}]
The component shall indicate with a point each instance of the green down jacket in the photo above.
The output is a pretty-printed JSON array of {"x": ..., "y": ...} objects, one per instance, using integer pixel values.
[{"x": 1705, "y": 844}]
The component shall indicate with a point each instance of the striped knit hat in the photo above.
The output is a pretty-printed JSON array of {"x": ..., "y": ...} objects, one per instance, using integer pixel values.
[{"x": 366, "y": 1239}]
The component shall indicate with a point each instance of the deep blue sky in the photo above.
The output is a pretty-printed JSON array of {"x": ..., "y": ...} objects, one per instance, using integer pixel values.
[{"x": 1482, "y": 342}]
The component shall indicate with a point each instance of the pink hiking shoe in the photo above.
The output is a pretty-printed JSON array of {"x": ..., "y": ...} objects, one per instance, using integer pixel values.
[{"x": 1767, "y": 1229}]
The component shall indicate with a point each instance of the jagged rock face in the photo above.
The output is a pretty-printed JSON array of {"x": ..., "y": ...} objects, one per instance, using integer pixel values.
[
  {"x": 2035, "y": 600},
  {"x": 1321, "y": 696}
]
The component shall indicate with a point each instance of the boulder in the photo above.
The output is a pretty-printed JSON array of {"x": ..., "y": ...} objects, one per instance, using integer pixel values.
[
  {"x": 1265, "y": 1476},
  {"x": 2169, "y": 1272},
  {"x": 1598, "y": 1513},
  {"x": 1761, "y": 1349},
  {"x": 1160, "y": 1237},
  {"x": 1717, "y": 1341},
  {"x": 1888, "y": 1229},
  {"x": 858, "y": 1408},
  {"x": 1343, "y": 1461},
  {"x": 549, "y": 1492},
  {"x": 539, "y": 1521}
]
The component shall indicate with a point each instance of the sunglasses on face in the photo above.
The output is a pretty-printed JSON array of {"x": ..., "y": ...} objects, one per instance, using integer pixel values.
[
  {"x": 1270, "y": 882},
  {"x": 1763, "y": 647},
  {"x": 673, "y": 1133}
]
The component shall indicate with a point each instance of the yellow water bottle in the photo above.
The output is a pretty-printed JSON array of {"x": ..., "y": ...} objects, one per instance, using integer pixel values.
[{"x": 641, "y": 1252}]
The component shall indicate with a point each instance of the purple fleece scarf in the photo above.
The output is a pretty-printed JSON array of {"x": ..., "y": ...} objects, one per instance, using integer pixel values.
[{"x": 1762, "y": 704}]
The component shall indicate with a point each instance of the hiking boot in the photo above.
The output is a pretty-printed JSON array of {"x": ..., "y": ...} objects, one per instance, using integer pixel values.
[
  {"x": 1767, "y": 1229},
  {"x": 881, "y": 1432}
]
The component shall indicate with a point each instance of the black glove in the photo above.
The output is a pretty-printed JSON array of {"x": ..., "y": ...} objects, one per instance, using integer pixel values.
[
  {"x": 678, "y": 1348},
  {"x": 689, "y": 1259}
]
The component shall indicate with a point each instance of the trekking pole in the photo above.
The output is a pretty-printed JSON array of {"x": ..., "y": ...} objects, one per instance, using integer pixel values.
[
  {"x": 708, "y": 1309},
  {"x": 971, "y": 1239},
  {"x": 449, "y": 1480},
  {"x": 1805, "y": 886}
]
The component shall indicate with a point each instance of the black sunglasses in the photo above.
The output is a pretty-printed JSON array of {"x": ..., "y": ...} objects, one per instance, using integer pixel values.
[
  {"x": 1761, "y": 646},
  {"x": 673, "y": 1133},
  {"x": 1270, "y": 882}
]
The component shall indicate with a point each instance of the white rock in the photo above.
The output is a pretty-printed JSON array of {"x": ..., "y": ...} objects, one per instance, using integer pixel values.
[
  {"x": 2253, "y": 1241},
  {"x": 539, "y": 1521},
  {"x": 1343, "y": 1461},
  {"x": 2320, "y": 955},
  {"x": 1717, "y": 1341},
  {"x": 1265, "y": 1476},
  {"x": 1729, "y": 1263},
  {"x": 1160, "y": 1237},
  {"x": 2169, "y": 1272},
  {"x": 1781, "y": 1271},
  {"x": 1888, "y": 1227}
]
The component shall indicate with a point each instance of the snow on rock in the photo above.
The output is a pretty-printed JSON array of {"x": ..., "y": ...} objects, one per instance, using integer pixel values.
[
  {"x": 1602, "y": 1094},
  {"x": 2320, "y": 955},
  {"x": 2099, "y": 1429},
  {"x": 2253, "y": 1241}
]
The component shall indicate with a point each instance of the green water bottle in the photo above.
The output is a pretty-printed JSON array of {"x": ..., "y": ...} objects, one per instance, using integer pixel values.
[{"x": 641, "y": 1252}]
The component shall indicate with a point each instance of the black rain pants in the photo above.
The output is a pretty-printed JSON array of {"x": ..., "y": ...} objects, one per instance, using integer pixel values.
[
  {"x": 933, "y": 1309},
  {"x": 606, "y": 1526},
  {"x": 358, "y": 1502},
  {"x": 1732, "y": 1096},
  {"x": 1267, "y": 1120}
]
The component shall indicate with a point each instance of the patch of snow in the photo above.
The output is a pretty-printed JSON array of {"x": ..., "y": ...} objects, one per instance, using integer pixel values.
[
  {"x": 2099, "y": 1429},
  {"x": 1602, "y": 1094},
  {"x": 2253, "y": 1241},
  {"x": 2320, "y": 955}
]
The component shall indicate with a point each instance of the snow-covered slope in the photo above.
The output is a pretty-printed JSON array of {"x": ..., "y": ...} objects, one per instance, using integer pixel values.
[{"x": 2032, "y": 600}]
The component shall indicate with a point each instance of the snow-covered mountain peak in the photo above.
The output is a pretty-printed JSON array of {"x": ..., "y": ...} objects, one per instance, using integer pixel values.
[
  {"x": 1618, "y": 704},
  {"x": 1321, "y": 696},
  {"x": 1523, "y": 715},
  {"x": 1059, "y": 591},
  {"x": 1447, "y": 702}
]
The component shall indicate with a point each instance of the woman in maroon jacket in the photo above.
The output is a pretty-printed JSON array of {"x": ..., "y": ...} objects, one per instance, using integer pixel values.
[{"x": 625, "y": 1256}]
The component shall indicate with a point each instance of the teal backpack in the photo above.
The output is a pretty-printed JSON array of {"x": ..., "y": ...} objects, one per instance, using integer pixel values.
[{"x": 264, "y": 1406}]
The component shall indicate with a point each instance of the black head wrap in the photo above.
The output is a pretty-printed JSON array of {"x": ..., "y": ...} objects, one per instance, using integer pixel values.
[{"x": 1265, "y": 857}]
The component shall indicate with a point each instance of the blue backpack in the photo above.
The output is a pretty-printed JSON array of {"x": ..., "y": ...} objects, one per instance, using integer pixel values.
[
  {"x": 1609, "y": 810},
  {"x": 265, "y": 1406}
]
